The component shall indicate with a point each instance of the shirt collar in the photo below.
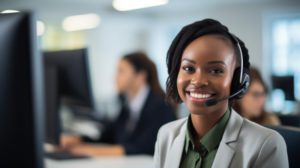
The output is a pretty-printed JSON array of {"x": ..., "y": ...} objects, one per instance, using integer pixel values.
[
  {"x": 136, "y": 104},
  {"x": 212, "y": 138}
]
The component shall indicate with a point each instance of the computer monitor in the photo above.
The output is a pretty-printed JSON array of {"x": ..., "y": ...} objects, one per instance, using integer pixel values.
[
  {"x": 67, "y": 83},
  {"x": 73, "y": 76},
  {"x": 21, "y": 88},
  {"x": 286, "y": 84}
]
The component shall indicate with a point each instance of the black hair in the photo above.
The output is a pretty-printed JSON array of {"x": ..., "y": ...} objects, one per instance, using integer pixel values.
[
  {"x": 186, "y": 35},
  {"x": 141, "y": 63}
]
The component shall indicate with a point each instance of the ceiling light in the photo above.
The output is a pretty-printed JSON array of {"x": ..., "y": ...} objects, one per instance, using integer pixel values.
[
  {"x": 10, "y": 11},
  {"x": 125, "y": 5},
  {"x": 81, "y": 22}
]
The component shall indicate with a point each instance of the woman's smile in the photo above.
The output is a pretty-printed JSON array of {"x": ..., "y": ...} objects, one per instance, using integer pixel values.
[{"x": 199, "y": 96}]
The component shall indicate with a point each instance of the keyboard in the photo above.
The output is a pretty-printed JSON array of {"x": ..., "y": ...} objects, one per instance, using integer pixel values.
[{"x": 64, "y": 155}]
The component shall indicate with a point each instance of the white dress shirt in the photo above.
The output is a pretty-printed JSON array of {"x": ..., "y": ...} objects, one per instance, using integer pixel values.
[{"x": 136, "y": 106}]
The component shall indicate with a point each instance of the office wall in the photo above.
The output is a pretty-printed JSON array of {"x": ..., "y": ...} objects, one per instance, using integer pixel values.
[
  {"x": 246, "y": 21},
  {"x": 154, "y": 34},
  {"x": 116, "y": 36}
]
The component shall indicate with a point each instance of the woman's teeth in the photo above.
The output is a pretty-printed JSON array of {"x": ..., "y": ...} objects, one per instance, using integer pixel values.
[{"x": 200, "y": 96}]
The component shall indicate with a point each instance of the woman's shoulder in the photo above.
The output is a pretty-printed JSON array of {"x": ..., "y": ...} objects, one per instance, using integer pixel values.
[
  {"x": 157, "y": 101},
  {"x": 174, "y": 125},
  {"x": 254, "y": 130},
  {"x": 247, "y": 127},
  {"x": 172, "y": 128},
  {"x": 271, "y": 119}
]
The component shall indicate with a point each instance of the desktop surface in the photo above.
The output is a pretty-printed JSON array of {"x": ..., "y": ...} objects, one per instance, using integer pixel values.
[{"x": 136, "y": 161}]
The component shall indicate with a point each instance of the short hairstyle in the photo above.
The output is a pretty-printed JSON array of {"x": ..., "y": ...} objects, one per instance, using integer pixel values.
[{"x": 186, "y": 35}]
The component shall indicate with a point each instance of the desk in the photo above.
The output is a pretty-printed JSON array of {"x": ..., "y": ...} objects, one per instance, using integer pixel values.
[{"x": 139, "y": 161}]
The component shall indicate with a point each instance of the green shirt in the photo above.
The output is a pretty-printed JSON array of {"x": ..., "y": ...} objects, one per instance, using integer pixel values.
[{"x": 209, "y": 143}]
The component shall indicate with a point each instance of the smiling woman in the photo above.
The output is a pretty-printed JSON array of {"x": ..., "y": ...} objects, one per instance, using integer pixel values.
[{"x": 208, "y": 68}]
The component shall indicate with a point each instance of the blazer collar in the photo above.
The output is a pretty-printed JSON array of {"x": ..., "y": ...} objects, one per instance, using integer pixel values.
[
  {"x": 225, "y": 152},
  {"x": 174, "y": 157},
  {"x": 233, "y": 128}
]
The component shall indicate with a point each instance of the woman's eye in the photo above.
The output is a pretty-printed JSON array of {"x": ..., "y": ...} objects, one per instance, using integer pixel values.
[
  {"x": 216, "y": 71},
  {"x": 188, "y": 69}
]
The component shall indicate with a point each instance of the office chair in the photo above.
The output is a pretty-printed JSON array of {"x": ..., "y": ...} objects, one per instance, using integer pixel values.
[
  {"x": 291, "y": 136},
  {"x": 290, "y": 120}
]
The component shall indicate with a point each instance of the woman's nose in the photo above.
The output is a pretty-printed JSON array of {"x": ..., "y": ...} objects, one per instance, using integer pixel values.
[{"x": 199, "y": 79}]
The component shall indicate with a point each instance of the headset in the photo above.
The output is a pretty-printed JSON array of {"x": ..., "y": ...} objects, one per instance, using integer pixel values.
[{"x": 240, "y": 81}]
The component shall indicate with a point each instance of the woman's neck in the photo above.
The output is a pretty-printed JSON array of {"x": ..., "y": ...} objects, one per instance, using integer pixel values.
[
  {"x": 132, "y": 93},
  {"x": 203, "y": 123}
]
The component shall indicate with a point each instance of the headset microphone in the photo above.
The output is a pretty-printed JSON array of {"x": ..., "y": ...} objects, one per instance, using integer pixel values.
[{"x": 213, "y": 102}]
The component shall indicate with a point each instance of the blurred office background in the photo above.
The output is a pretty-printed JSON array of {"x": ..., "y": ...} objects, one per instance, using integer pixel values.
[{"x": 270, "y": 29}]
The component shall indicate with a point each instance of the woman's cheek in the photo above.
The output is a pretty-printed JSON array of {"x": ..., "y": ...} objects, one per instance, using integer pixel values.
[
  {"x": 227, "y": 85},
  {"x": 180, "y": 86}
]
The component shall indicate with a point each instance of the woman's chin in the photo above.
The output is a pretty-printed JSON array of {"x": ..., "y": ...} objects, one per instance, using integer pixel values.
[{"x": 197, "y": 110}]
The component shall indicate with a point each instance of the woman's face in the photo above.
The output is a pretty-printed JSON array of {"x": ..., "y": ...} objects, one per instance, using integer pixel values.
[
  {"x": 206, "y": 71},
  {"x": 125, "y": 76},
  {"x": 252, "y": 103}
]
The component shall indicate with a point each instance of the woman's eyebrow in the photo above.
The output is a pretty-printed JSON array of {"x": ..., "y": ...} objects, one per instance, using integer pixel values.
[
  {"x": 216, "y": 62},
  {"x": 188, "y": 60}
]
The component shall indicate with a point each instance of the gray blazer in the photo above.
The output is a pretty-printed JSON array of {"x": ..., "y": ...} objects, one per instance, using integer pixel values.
[{"x": 244, "y": 144}]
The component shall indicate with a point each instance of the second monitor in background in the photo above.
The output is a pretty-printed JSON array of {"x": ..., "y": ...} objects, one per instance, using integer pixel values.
[
  {"x": 286, "y": 84},
  {"x": 67, "y": 83}
]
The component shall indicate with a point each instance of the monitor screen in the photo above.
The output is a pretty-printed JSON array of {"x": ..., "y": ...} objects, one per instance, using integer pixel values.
[
  {"x": 286, "y": 84},
  {"x": 21, "y": 88},
  {"x": 74, "y": 82}
]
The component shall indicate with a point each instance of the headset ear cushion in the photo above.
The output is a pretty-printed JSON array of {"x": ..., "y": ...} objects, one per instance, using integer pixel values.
[
  {"x": 244, "y": 86},
  {"x": 235, "y": 83},
  {"x": 237, "y": 86}
]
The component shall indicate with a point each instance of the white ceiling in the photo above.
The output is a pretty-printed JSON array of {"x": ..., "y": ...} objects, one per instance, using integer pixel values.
[
  {"x": 105, "y": 5},
  {"x": 53, "y": 9}
]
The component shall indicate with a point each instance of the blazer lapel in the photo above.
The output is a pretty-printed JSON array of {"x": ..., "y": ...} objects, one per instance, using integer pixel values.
[
  {"x": 224, "y": 156},
  {"x": 226, "y": 151},
  {"x": 174, "y": 157}
]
